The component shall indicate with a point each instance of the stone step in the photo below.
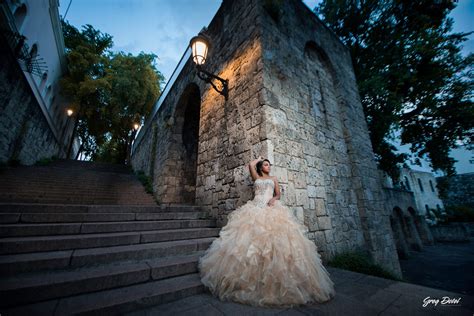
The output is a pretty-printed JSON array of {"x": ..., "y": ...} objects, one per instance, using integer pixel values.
[
  {"x": 88, "y": 165},
  {"x": 95, "y": 217},
  {"x": 73, "y": 178},
  {"x": 72, "y": 181},
  {"x": 117, "y": 301},
  {"x": 92, "y": 166},
  {"x": 31, "y": 288},
  {"x": 60, "y": 208},
  {"x": 12, "y": 230},
  {"x": 62, "y": 200},
  {"x": 77, "y": 197},
  {"x": 16, "y": 245},
  {"x": 54, "y": 260},
  {"x": 17, "y": 183},
  {"x": 69, "y": 163},
  {"x": 67, "y": 190}
]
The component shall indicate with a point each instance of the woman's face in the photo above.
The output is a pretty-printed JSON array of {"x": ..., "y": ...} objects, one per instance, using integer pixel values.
[{"x": 266, "y": 167}]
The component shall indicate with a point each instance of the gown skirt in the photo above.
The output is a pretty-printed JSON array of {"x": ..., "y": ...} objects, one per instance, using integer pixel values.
[{"x": 263, "y": 258}]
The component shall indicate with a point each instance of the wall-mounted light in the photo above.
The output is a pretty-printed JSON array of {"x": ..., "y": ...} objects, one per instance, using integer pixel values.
[
  {"x": 69, "y": 112},
  {"x": 136, "y": 126},
  {"x": 200, "y": 46}
]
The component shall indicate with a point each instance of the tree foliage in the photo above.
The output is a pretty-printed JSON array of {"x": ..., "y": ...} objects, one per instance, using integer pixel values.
[
  {"x": 108, "y": 91},
  {"x": 411, "y": 75}
]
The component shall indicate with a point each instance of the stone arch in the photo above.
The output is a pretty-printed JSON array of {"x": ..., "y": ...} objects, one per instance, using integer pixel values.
[
  {"x": 397, "y": 223},
  {"x": 20, "y": 15},
  {"x": 325, "y": 90},
  {"x": 327, "y": 105},
  {"x": 313, "y": 50},
  {"x": 184, "y": 149},
  {"x": 413, "y": 236},
  {"x": 424, "y": 233}
]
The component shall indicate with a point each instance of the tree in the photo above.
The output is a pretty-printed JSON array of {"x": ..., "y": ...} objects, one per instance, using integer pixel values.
[
  {"x": 109, "y": 91},
  {"x": 411, "y": 75}
]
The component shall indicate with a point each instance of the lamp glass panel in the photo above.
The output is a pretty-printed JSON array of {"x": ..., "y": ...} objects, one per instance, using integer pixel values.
[{"x": 199, "y": 48}]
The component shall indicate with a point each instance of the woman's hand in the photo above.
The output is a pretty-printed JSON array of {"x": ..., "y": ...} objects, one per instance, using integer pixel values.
[{"x": 271, "y": 202}]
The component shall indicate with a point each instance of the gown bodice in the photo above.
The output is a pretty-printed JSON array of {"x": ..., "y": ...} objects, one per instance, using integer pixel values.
[{"x": 263, "y": 189}]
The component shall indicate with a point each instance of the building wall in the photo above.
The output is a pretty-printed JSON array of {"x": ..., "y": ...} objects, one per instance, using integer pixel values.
[
  {"x": 229, "y": 133},
  {"x": 41, "y": 27},
  {"x": 39, "y": 23},
  {"x": 25, "y": 135},
  {"x": 293, "y": 98},
  {"x": 319, "y": 136},
  {"x": 424, "y": 187}
]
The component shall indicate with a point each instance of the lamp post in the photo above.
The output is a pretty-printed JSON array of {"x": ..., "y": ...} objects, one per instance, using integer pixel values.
[
  {"x": 69, "y": 113},
  {"x": 200, "y": 46},
  {"x": 71, "y": 141},
  {"x": 136, "y": 126}
]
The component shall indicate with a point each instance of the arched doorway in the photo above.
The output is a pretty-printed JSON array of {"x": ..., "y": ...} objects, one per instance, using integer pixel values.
[
  {"x": 185, "y": 148},
  {"x": 397, "y": 223},
  {"x": 422, "y": 227}
]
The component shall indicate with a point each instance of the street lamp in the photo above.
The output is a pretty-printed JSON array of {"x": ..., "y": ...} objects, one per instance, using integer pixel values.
[
  {"x": 69, "y": 113},
  {"x": 200, "y": 46},
  {"x": 136, "y": 126}
]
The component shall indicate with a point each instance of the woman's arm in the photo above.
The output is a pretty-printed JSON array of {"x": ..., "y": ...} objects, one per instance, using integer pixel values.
[
  {"x": 252, "y": 169},
  {"x": 277, "y": 192}
]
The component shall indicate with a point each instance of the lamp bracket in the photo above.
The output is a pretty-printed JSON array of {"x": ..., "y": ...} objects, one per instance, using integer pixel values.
[{"x": 208, "y": 77}]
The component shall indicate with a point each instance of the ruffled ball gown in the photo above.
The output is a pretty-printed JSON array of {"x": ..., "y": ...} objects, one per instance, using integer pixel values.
[{"x": 262, "y": 257}]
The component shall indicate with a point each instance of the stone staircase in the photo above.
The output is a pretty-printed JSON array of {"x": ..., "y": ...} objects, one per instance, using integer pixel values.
[{"x": 85, "y": 238}]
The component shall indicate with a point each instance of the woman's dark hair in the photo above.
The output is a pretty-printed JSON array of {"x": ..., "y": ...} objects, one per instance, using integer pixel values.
[{"x": 260, "y": 165}]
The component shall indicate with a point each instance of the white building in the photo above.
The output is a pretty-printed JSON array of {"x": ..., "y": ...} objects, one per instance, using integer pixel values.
[
  {"x": 423, "y": 186},
  {"x": 38, "y": 21}
]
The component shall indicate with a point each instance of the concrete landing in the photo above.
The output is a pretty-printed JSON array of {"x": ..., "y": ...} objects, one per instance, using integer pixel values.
[{"x": 356, "y": 294}]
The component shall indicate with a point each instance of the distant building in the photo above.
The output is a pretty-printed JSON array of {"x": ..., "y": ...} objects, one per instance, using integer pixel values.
[
  {"x": 34, "y": 123},
  {"x": 423, "y": 185}
]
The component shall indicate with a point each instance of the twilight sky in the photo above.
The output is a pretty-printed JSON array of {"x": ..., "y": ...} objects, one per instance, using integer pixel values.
[{"x": 164, "y": 27}]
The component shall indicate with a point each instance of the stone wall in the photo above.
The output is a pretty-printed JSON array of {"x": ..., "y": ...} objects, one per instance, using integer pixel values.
[
  {"x": 292, "y": 98},
  {"x": 452, "y": 232},
  {"x": 319, "y": 138},
  {"x": 25, "y": 135},
  {"x": 228, "y": 131}
]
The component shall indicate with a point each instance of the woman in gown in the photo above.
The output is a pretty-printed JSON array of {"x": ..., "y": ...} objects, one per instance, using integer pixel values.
[{"x": 262, "y": 257}]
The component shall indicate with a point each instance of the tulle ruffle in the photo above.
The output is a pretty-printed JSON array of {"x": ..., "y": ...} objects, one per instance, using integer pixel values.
[{"x": 263, "y": 258}]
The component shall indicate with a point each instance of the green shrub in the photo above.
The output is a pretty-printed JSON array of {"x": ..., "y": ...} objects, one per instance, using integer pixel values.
[
  {"x": 358, "y": 261},
  {"x": 145, "y": 180},
  {"x": 459, "y": 213},
  {"x": 46, "y": 160},
  {"x": 43, "y": 162}
]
